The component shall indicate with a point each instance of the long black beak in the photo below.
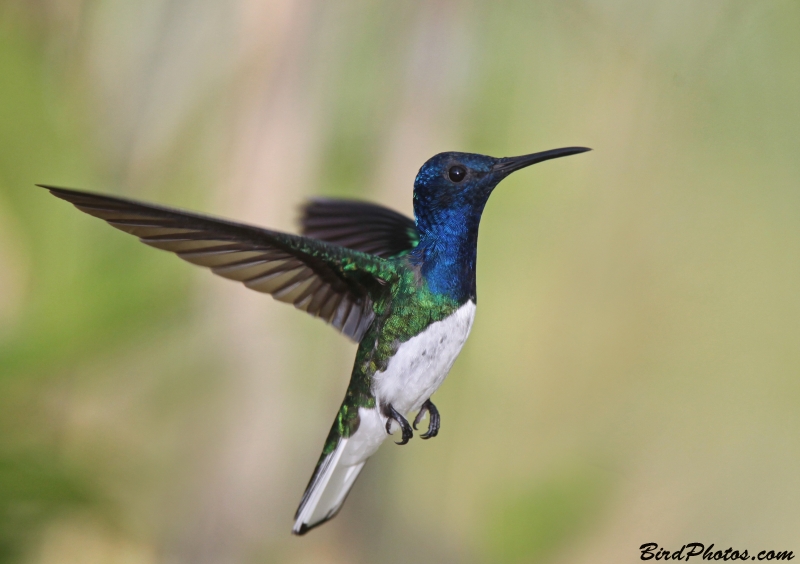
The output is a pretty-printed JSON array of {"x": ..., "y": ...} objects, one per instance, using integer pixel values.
[{"x": 508, "y": 165}]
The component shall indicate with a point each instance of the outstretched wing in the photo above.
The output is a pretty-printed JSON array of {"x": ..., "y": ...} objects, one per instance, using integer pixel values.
[
  {"x": 328, "y": 281},
  {"x": 361, "y": 226}
]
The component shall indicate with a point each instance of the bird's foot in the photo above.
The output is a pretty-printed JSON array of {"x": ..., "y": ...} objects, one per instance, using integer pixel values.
[
  {"x": 393, "y": 415},
  {"x": 433, "y": 426}
]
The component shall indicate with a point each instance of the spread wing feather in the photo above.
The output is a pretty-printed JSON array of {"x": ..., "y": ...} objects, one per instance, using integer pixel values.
[
  {"x": 328, "y": 281},
  {"x": 360, "y": 226}
]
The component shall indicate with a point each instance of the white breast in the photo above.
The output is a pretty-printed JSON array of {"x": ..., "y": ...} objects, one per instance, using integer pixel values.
[{"x": 420, "y": 365}]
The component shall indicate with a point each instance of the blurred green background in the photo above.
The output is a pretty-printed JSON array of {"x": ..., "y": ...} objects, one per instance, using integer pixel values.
[{"x": 633, "y": 374}]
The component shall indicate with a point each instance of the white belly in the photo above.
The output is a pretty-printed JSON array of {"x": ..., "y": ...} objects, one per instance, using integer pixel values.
[
  {"x": 413, "y": 374},
  {"x": 420, "y": 365}
]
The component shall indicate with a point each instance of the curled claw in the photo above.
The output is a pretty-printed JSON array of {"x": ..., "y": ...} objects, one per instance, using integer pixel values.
[
  {"x": 433, "y": 426},
  {"x": 392, "y": 414}
]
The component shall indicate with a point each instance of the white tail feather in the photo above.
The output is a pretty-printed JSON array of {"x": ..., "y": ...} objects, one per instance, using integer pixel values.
[
  {"x": 327, "y": 491},
  {"x": 337, "y": 472}
]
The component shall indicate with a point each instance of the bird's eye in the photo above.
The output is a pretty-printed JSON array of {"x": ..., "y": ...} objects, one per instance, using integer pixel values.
[{"x": 457, "y": 173}]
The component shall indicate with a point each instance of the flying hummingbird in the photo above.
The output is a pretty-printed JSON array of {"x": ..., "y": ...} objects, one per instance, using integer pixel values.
[{"x": 403, "y": 289}]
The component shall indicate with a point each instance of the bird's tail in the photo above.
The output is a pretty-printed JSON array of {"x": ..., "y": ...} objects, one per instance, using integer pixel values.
[{"x": 327, "y": 489}]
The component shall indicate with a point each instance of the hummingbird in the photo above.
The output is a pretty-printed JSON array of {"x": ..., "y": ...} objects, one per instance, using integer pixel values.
[{"x": 402, "y": 288}]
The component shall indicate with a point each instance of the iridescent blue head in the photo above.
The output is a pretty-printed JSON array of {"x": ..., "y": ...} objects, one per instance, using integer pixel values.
[{"x": 450, "y": 192}]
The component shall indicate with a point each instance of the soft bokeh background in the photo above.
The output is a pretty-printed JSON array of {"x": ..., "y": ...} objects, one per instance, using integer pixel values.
[{"x": 633, "y": 374}]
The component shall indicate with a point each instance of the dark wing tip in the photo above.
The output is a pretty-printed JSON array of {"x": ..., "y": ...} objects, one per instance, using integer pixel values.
[
  {"x": 55, "y": 188},
  {"x": 69, "y": 194}
]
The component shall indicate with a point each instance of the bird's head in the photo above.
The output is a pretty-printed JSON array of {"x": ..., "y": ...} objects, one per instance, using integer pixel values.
[{"x": 451, "y": 189}]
